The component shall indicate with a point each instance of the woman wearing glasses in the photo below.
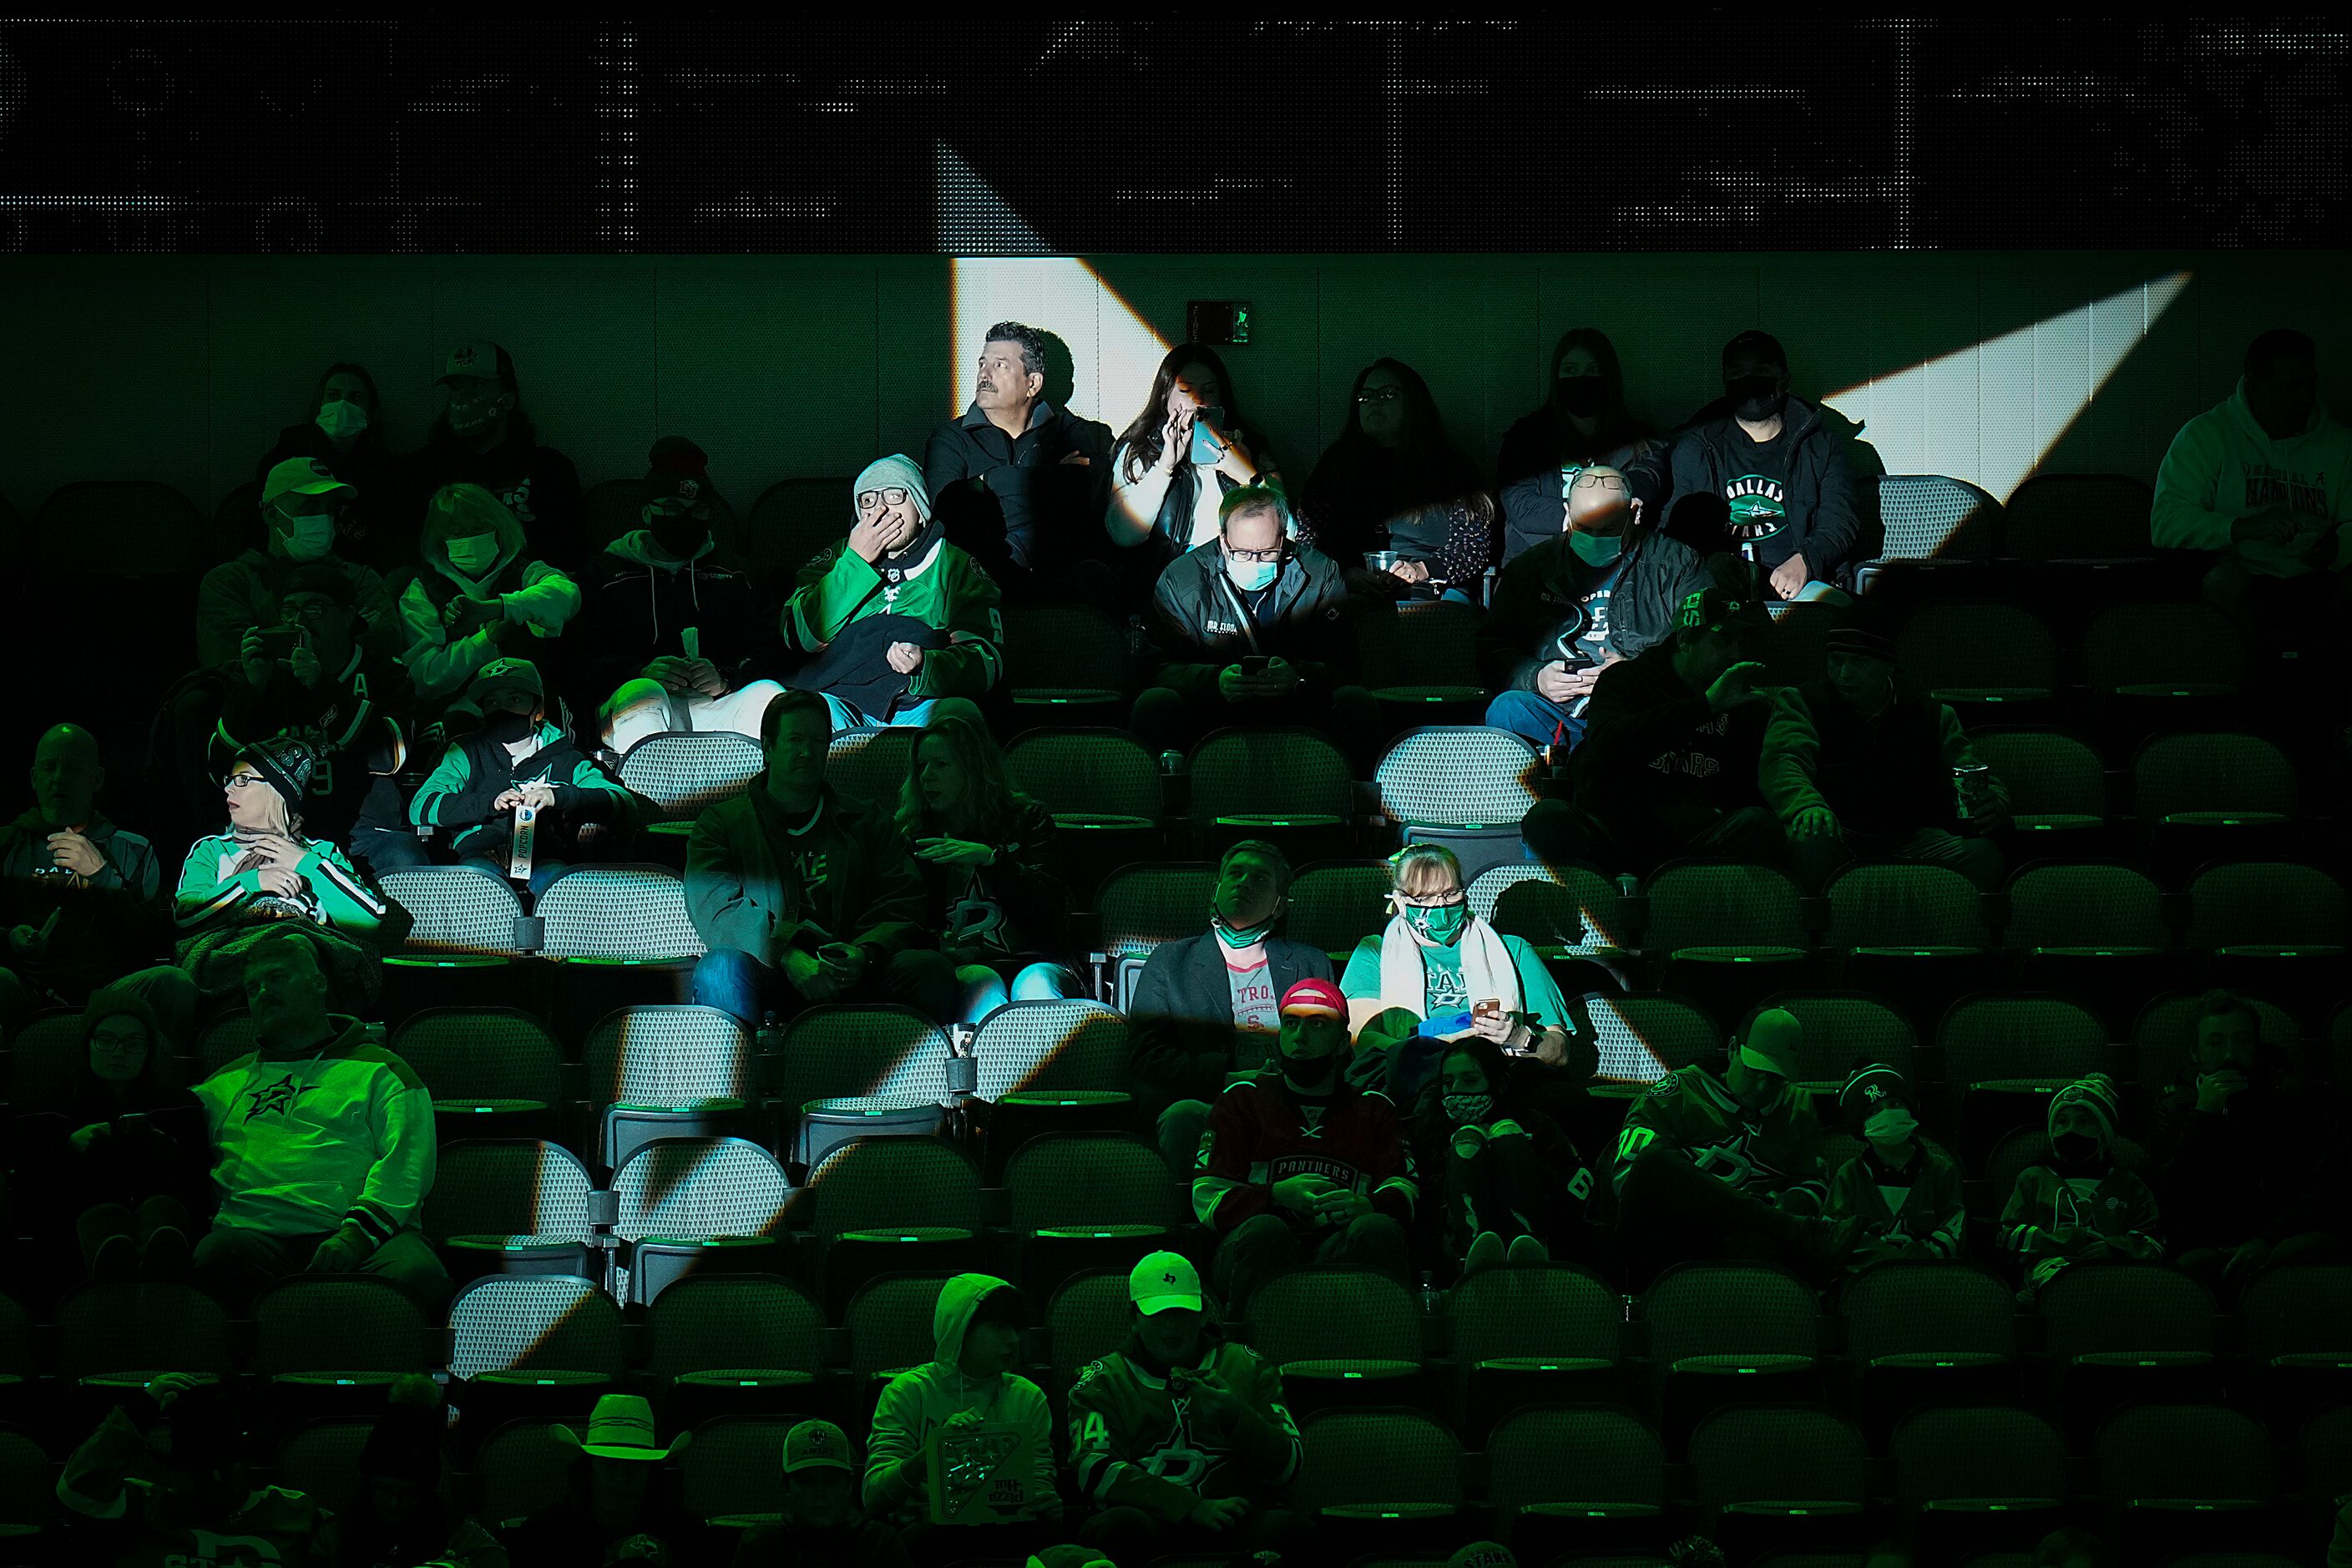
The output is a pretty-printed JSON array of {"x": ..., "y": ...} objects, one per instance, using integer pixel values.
[
  {"x": 1182, "y": 456},
  {"x": 1394, "y": 484}
]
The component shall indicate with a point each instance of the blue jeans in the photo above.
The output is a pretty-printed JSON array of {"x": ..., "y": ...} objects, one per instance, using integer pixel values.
[
  {"x": 984, "y": 990},
  {"x": 736, "y": 982},
  {"x": 1538, "y": 719},
  {"x": 845, "y": 717}
]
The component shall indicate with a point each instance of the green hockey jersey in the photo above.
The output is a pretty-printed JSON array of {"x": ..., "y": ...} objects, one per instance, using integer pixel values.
[
  {"x": 1137, "y": 1441},
  {"x": 1777, "y": 1151}
]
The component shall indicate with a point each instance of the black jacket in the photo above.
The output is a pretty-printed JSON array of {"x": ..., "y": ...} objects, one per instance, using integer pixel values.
[
  {"x": 634, "y": 603},
  {"x": 1657, "y": 766},
  {"x": 1199, "y": 623},
  {"x": 1539, "y": 1184},
  {"x": 1180, "y": 1021},
  {"x": 1053, "y": 510},
  {"x": 1013, "y": 906},
  {"x": 1537, "y": 604},
  {"x": 1541, "y": 442},
  {"x": 1823, "y": 514},
  {"x": 2257, "y": 1168},
  {"x": 379, "y": 529},
  {"x": 537, "y": 483}
]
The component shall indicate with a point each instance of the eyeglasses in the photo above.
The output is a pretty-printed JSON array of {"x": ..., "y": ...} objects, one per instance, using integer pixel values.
[
  {"x": 1273, "y": 554},
  {"x": 242, "y": 781},
  {"x": 314, "y": 611},
  {"x": 1380, "y": 395},
  {"x": 1434, "y": 900},
  {"x": 890, "y": 495},
  {"x": 678, "y": 508},
  {"x": 1591, "y": 482}
]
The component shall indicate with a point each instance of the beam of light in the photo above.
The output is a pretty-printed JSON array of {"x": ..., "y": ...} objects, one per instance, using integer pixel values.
[{"x": 2027, "y": 388}]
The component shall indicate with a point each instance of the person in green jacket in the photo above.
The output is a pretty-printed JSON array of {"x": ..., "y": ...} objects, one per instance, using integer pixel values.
[{"x": 894, "y": 618}]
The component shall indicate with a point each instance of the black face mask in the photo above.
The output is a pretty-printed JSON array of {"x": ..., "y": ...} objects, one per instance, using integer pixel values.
[
  {"x": 1313, "y": 1076},
  {"x": 505, "y": 729},
  {"x": 2074, "y": 1147},
  {"x": 1582, "y": 396},
  {"x": 680, "y": 535},
  {"x": 1755, "y": 398}
]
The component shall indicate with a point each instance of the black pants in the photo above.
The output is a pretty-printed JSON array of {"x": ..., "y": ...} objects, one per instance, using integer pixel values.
[
  {"x": 1670, "y": 1211},
  {"x": 1264, "y": 1248},
  {"x": 1562, "y": 833}
]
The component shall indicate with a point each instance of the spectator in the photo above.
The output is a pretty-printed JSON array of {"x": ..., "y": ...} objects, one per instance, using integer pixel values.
[
  {"x": 1900, "y": 1197},
  {"x": 612, "y": 1509},
  {"x": 1440, "y": 974},
  {"x": 79, "y": 896},
  {"x": 1668, "y": 763},
  {"x": 670, "y": 625},
  {"x": 989, "y": 865},
  {"x": 1250, "y": 630},
  {"x": 479, "y": 592},
  {"x": 483, "y": 437},
  {"x": 302, "y": 501},
  {"x": 516, "y": 758},
  {"x": 895, "y": 616},
  {"x": 822, "y": 1525},
  {"x": 2263, "y": 481},
  {"x": 346, "y": 432},
  {"x": 324, "y": 1141},
  {"x": 1205, "y": 1011},
  {"x": 969, "y": 1382},
  {"x": 2080, "y": 1204},
  {"x": 2240, "y": 1157},
  {"x": 137, "y": 1167},
  {"x": 1570, "y": 606},
  {"x": 238, "y": 885},
  {"x": 1516, "y": 1186},
  {"x": 1393, "y": 481},
  {"x": 1709, "y": 1168},
  {"x": 1049, "y": 467},
  {"x": 1779, "y": 464},
  {"x": 1863, "y": 767},
  {"x": 1300, "y": 1166},
  {"x": 800, "y": 897},
  {"x": 1178, "y": 1437},
  {"x": 167, "y": 1476},
  {"x": 1583, "y": 421},
  {"x": 402, "y": 1514},
  {"x": 1183, "y": 454}
]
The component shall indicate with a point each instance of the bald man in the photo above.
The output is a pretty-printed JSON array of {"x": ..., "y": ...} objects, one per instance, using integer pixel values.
[
  {"x": 79, "y": 896},
  {"x": 1604, "y": 589}
]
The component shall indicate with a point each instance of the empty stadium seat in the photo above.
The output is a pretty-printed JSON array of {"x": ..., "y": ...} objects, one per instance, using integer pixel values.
[
  {"x": 543, "y": 1332},
  {"x": 1915, "y": 934},
  {"x": 2121, "y": 1331},
  {"x": 748, "y": 1342},
  {"x": 689, "y": 1204},
  {"x": 2298, "y": 1330},
  {"x": 1139, "y": 908},
  {"x": 2005, "y": 1056},
  {"x": 1842, "y": 1031},
  {"x": 2056, "y": 783},
  {"x": 1466, "y": 787},
  {"x": 2271, "y": 928},
  {"x": 889, "y": 1325},
  {"x": 335, "y": 1344},
  {"x": 1290, "y": 787},
  {"x": 1420, "y": 654},
  {"x": 1982, "y": 1475},
  {"x": 45, "y": 1058},
  {"x": 730, "y": 1472},
  {"x": 518, "y": 1206},
  {"x": 2078, "y": 518},
  {"x": 2185, "y": 1476},
  {"x": 2095, "y": 932},
  {"x": 522, "y": 1468},
  {"x": 1377, "y": 1465},
  {"x": 1333, "y": 906},
  {"x": 1638, "y": 1038},
  {"x": 1724, "y": 934},
  {"x": 1939, "y": 533},
  {"x": 1920, "y": 1333},
  {"x": 666, "y": 1071},
  {"x": 1721, "y": 1332},
  {"x": 2149, "y": 666},
  {"x": 850, "y": 1072},
  {"x": 616, "y": 912},
  {"x": 1088, "y": 1200},
  {"x": 790, "y": 521},
  {"x": 1326, "y": 1328},
  {"x": 487, "y": 1068},
  {"x": 1104, "y": 791},
  {"x": 457, "y": 909},
  {"x": 1763, "y": 1466},
  {"x": 1064, "y": 664},
  {"x": 125, "y": 1334},
  {"x": 1572, "y": 910},
  {"x": 1528, "y": 1335},
  {"x": 1587, "y": 1463},
  {"x": 685, "y": 772},
  {"x": 868, "y": 767},
  {"x": 891, "y": 1204},
  {"x": 1987, "y": 660},
  {"x": 2209, "y": 796}
]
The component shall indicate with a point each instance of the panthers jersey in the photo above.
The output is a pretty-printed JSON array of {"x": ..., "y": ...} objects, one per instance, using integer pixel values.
[
  {"x": 1776, "y": 1152},
  {"x": 1137, "y": 1442}
]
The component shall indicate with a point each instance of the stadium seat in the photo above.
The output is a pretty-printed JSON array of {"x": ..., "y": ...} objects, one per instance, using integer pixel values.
[
  {"x": 334, "y": 1345},
  {"x": 686, "y": 772},
  {"x": 890, "y": 1205},
  {"x": 2014, "y": 1152},
  {"x": 229, "y": 1037},
  {"x": 1982, "y": 1476},
  {"x": 2078, "y": 518},
  {"x": 1088, "y": 1200},
  {"x": 45, "y": 1057},
  {"x": 1529, "y": 1334},
  {"x": 1329, "y": 1328},
  {"x": 547, "y": 1331},
  {"x": 28, "y": 1496},
  {"x": 518, "y": 1206},
  {"x": 1928, "y": 1332},
  {"x": 1724, "y": 934},
  {"x": 122, "y": 1334},
  {"x": 1989, "y": 661},
  {"x": 2097, "y": 932},
  {"x": 15, "y": 1352},
  {"x": 1590, "y": 1463},
  {"x": 1334, "y": 905},
  {"x": 2120, "y": 1332},
  {"x": 666, "y": 1071},
  {"x": 2185, "y": 1476},
  {"x": 1780, "y": 1473},
  {"x": 1378, "y": 1467},
  {"x": 1104, "y": 791},
  {"x": 1844, "y": 1030},
  {"x": 617, "y": 913},
  {"x": 1913, "y": 933},
  {"x": 1290, "y": 786},
  {"x": 1573, "y": 910},
  {"x": 2212, "y": 796},
  {"x": 1091, "y": 1316},
  {"x": 745, "y": 1344},
  {"x": 1139, "y": 908},
  {"x": 457, "y": 910},
  {"x": 2005, "y": 1056},
  {"x": 2298, "y": 1330},
  {"x": 2160, "y": 666},
  {"x": 150, "y": 531},
  {"x": 609, "y": 509},
  {"x": 1067, "y": 665},
  {"x": 321, "y": 1461},
  {"x": 2057, "y": 786},
  {"x": 890, "y": 1324},
  {"x": 1465, "y": 787},
  {"x": 1053, "y": 1049},
  {"x": 1933, "y": 518},
  {"x": 489, "y": 1068},
  {"x": 522, "y": 1468},
  {"x": 1796, "y": 646},
  {"x": 850, "y": 1072},
  {"x": 1724, "y": 1331},
  {"x": 1418, "y": 655},
  {"x": 731, "y": 1471},
  {"x": 790, "y": 521},
  {"x": 2165, "y": 1035},
  {"x": 868, "y": 767},
  {"x": 2325, "y": 1450},
  {"x": 1639, "y": 1038},
  {"x": 694, "y": 1204},
  {"x": 2272, "y": 929}
]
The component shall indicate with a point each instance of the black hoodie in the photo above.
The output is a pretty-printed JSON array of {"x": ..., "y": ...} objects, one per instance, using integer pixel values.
[
  {"x": 635, "y": 600},
  {"x": 1798, "y": 490}
]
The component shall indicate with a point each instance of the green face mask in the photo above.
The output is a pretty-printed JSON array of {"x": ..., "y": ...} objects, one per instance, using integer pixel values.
[
  {"x": 1234, "y": 938},
  {"x": 1442, "y": 925}
]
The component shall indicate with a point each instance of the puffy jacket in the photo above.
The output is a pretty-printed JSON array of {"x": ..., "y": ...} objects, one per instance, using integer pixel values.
[{"x": 1199, "y": 623}]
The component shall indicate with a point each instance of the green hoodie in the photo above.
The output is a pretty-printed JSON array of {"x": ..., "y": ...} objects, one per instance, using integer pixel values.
[
  {"x": 2222, "y": 465},
  {"x": 532, "y": 595},
  {"x": 918, "y": 1400}
]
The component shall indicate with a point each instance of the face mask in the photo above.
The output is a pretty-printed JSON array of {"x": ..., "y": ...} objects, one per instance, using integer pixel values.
[
  {"x": 471, "y": 555},
  {"x": 2074, "y": 1147},
  {"x": 1581, "y": 396},
  {"x": 1250, "y": 576},
  {"x": 505, "y": 729},
  {"x": 1467, "y": 1108},
  {"x": 1442, "y": 925},
  {"x": 306, "y": 538},
  {"x": 1893, "y": 1125},
  {"x": 1234, "y": 937},
  {"x": 342, "y": 419},
  {"x": 1755, "y": 398},
  {"x": 1309, "y": 1073},
  {"x": 680, "y": 535},
  {"x": 472, "y": 415},
  {"x": 1597, "y": 549}
]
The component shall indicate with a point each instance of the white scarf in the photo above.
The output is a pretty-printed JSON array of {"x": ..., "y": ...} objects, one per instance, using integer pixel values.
[{"x": 1487, "y": 967}]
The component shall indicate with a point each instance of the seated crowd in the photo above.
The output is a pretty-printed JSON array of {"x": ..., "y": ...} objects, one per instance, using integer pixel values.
[{"x": 429, "y": 662}]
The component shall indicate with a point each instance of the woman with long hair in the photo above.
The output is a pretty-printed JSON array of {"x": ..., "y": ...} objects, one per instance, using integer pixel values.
[
  {"x": 1583, "y": 422},
  {"x": 1394, "y": 482},
  {"x": 1516, "y": 1187},
  {"x": 987, "y": 856},
  {"x": 1181, "y": 456},
  {"x": 343, "y": 426}
]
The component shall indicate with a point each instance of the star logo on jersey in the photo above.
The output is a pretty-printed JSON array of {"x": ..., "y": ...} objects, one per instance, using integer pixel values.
[
  {"x": 1758, "y": 507},
  {"x": 276, "y": 1098}
]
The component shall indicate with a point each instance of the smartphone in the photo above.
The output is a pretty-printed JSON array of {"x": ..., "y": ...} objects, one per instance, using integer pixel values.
[
  {"x": 280, "y": 642},
  {"x": 1488, "y": 1008},
  {"x": 1206, "y": 448},
  {"x": 1254, "y": 663}
]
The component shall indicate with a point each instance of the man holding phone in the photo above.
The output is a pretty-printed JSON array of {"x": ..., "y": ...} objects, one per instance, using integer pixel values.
[{"x": 302, "y": 501}]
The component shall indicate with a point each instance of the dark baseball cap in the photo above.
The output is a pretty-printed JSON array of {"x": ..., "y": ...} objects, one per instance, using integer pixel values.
[{"x": 1711, "y": 609}]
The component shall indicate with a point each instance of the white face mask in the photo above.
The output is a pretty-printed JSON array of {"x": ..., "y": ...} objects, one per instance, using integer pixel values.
[
  {"x": 1893, "y": 1125},
  {"x": 342, "y": 419},
  {"x": 1597, "y": 549},
  {"x": 306, "y": 538},
  {"x": 1249, "y": 576},
  {"x": 472, "y": 556}
]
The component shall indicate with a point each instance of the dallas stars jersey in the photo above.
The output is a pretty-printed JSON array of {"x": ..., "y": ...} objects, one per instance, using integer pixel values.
[
  {"x": 1777, "y": 1151},
  {"x": 1137, "y": 1443}
]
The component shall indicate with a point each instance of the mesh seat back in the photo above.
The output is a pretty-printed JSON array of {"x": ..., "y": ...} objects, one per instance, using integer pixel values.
[
  {"x": 869, "y": 766},
  {"x": 45, "y": 1058},
  {"x": 523, "y": 1468},
  {"x": 16, "y": 1337},
  {"x": 2265, "y": 903},
  {"x": 687, "y": 771},
  {"x": 2020, "y": 1037},
  {"x": 2183, "y": 1451},
  {"x": 668, "y": 1055},
  {"x": 336, "y": 1325},
  {"x": 1457, "y": 776},
  {"x": 2164, "y": 1038},
  {"x": 2106, "y": 1307},
  {"x": 227, "y": 1038},
  {"x": 1933, "y": 517},
  {"x": 890, "y": 1322},
  {"x": 1953, "y": 648},
  {"x": 149, "y": 530},
  {"x": 1978, "y": 1452},
  {"x": 894, "y": 1183},
  {"x": 1722, "y": 906},
  {"x": 1842, "y": 1033},
  {"x": 2046, "y": 776},
  {"x": 1729, "y": 1308},
  {"x": 481, "y": 1053},
  {"x": 1426, "y": 643},
  {"x": 508, "y": 1187},
  {"x": 2162, "y": 645},
  {"x": 1089, "y": 1179},
  {"x": 457, "y": 909},
  {"x": 1778, "y": 1454},
  {"x": 1575, "y": 1453},
  {"x": 1570, "y": 906},
  {"x": 730, "y": 1467},
  {"x": 1907, "y": 1308},
  {"x": 1042, "y": 1046},
  {"x": 1639, "y": 1038},
  {"x": 793, "y": 519},
  {"x": 695, "y": 1188},
  {"x": 2017, "y": 1152},
  {"x": 1796, "y": 646},
  {"x": 1335, "y": 1314},
  {"x": 1334, "y": 907},
  {"x": 1061, "y": 648},
  {"x": 1104, "y": 773},
  {"x": 1090, "y": 1317},
  {"x": 544, "y": 1322},
  {"x": 1139, "y": 907},
  {"x": 323, "y": 1461},
  {"x": 1905, "y": 906},
  {"x": 2303, "y": 1307},
  {"x": 1377, "y": 1456},
  {"x": 2327, "y": 1452},
  {"x": 141, "y": 1328},
  {"x": 2221, "y": 773},
  {"x": 2078, "y": 517},
  {"x": 26, "y": 1494},
  {"x": 891, "y": 1053},
  {"x": 617, "y": 912},
  {"x": 1551, "y": 1310},
  {"x": 1269, "y": 772},
  {"x": 709, "y": 1321},
  {"x": 2083, "y": 906}
]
